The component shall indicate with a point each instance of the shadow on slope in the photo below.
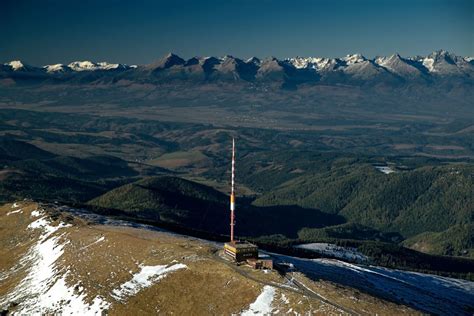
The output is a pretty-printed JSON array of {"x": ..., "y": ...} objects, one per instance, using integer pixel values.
[{"x": 175, "y": 200}]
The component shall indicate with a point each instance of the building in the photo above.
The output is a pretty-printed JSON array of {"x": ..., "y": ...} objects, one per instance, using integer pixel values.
[
  {"x": 241, "y": 250},
  {"x": 261, "y": 263}
]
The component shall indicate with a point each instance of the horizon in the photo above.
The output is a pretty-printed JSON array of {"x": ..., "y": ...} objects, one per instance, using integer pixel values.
[{"x": 61, "y": 32}]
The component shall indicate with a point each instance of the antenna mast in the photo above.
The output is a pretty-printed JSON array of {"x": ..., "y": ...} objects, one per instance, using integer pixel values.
[{"x": 232, "y": 194}]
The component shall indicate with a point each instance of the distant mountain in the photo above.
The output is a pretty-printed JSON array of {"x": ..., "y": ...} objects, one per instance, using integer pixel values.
[
  {"x": 351, "y": 69},
  {"x": 404, "y": 67},
  {"x": 166, "y": 62},
  {"x": 444, "y": 63},
  {"x": 18, "y": 65}
]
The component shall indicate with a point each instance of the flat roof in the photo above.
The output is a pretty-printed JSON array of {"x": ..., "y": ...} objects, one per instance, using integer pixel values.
[{"x": 241, "y": 244}]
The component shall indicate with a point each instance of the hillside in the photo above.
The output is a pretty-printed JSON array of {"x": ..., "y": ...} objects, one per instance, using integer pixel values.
[
  {"x": 31, "y": 172},
  {"x": 63, "y": 261},
  {"x": 405, "y": 202},
  {"x": 193, "y": 205},
  {"x": 458, "y": 240}
]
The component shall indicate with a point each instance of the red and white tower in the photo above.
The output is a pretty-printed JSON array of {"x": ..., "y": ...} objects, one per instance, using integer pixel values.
[{"x": 232, "y": 194}]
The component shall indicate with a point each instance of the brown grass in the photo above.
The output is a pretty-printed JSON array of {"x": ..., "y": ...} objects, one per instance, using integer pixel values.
[{"x": 208, "y": 286}]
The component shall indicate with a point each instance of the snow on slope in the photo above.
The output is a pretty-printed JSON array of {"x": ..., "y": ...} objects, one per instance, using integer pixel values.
[
  {"x": 146, "y": 277},
  {"x": 44, "y": 289},
  {"x": 91, "y": 66},
  {"x": 263, "y": 303},
  {"x": 385, "y": 169},
  {"x": 319, "y": 64},
  {"x": 335, "y": 251},
  {"x": 18, "y": 210},
  {"x": 354, "y": 59}
]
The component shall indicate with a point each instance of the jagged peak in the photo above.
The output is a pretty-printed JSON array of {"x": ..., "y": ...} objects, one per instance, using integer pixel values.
[
  {"x": 171, "y": 55},
  {"x": 175, "y": 59},
  {"x": 354, "y": 58},
  {"x": 253, "y": 60}
]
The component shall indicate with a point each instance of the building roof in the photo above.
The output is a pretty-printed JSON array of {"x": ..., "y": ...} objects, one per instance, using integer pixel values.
[{"x": 241, "y": 244}]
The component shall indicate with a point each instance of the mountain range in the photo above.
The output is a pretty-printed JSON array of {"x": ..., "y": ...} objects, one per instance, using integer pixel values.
[{"x": 351, "y": 69}]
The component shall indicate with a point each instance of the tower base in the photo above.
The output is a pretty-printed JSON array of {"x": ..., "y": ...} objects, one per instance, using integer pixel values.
[{"x": 241, "y": 250}]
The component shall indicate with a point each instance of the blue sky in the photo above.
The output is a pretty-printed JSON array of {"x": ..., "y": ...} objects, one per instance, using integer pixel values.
[{"x": 60, "y": 31}]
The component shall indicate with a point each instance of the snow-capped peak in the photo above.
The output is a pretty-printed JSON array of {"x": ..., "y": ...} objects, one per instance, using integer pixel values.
[
  {"x": 83, "y": 65},
  {"x": 56, "y": 68},
  {"x": 302, "y": 62},
  {"x": 387, "y": 61},
  {"x": 107, "y": 66},
  {"x": 317, "y": 63},
  {"x": 354, "y": 58},
  {"x": 89, "y": 66},
  {"x": 16, "y": 65},
  {"x": 469, "y": 59},
  {"x": 253, "y": 60}
]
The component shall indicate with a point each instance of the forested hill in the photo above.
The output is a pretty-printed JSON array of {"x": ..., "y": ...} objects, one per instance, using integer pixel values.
[
  {"x": 427, "y": 199},
  {"x": 186, "y": 203}
]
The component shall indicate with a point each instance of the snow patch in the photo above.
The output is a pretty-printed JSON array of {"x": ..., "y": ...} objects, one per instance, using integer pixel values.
[
  {"x": 48, "y": 229},
  {"x": 52, "y": 300},
  {"x": 93, "y": 243},
  {"x": 346, "y": 253},
  {"x": 36, "y": 213},
  {"x": 385, "y": 169},
  {"x": 429, "y": 64},
  {"x": 145, "y": 278},
  {"x": 15, "y": 211},
  {"x": 44, "y": 290},
  {"x": 263, "y": 303}
]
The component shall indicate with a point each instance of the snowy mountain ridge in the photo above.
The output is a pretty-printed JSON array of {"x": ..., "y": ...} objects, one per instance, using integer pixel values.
[{"x": 354, "y": 68}]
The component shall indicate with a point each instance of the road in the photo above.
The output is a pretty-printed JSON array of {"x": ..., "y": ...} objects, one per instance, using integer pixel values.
[{"x": 301, "y": 289}]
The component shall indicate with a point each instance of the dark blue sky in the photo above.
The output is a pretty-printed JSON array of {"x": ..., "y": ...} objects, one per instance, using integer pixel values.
[{"x": 139, "y": 31}]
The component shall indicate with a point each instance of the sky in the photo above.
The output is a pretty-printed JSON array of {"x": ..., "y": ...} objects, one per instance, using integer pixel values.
[{"x": 142, "y": 31}]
